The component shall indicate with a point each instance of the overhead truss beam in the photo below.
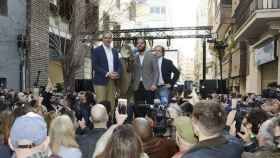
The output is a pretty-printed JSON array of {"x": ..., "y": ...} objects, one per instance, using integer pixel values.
[{"x": 155, "y": 33}]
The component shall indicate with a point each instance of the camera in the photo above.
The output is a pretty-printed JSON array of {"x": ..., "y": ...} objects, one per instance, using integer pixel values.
[
  {"x": 159, "y": 114},
  {"x": 271, "y": 93},
  {"x": 122, "y": 106}
]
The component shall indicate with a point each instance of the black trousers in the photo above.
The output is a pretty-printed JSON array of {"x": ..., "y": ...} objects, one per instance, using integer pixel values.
[{"x": 142, "y": 97}]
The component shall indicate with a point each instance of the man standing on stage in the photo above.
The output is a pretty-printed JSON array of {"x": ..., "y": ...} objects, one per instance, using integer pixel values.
[
  {"x": 107, "y": 68},
  {"x": 166, "y": 80},
  {"x": 145, "y": 75}
]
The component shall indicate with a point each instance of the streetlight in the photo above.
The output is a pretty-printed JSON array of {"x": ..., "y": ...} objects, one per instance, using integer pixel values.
[{"x": 220, "y": 46}]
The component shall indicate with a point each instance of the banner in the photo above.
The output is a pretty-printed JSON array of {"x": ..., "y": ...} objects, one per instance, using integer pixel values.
[{"x": 265, "y": 53}]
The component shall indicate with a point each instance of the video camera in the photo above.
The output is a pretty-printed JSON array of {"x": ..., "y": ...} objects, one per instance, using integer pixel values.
[
  {"x": 271, "y": 93},
  {"x": 159, "y": 114}
]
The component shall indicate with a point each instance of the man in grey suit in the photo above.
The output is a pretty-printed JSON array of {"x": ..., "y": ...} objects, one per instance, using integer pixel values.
[{"x": 145, "y": 75}]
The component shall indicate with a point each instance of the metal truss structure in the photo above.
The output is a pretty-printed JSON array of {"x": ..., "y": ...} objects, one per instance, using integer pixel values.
[{"x": 169, "y": 33}]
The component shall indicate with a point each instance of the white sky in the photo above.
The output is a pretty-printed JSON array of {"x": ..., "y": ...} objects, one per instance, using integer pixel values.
[{"x": 183, "y": 13}]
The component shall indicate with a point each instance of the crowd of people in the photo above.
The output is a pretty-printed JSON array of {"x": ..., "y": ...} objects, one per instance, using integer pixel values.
[
  {"x": 154, "y": 123},
  {"x": 75, "y": 126}
]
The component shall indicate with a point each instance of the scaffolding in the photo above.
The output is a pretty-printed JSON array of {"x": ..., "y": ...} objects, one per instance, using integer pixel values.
[{"x": 168, "y": 33}]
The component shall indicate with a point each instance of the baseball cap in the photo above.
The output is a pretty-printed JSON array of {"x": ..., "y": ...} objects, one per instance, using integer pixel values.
[
  {"x": 184, "y": 128},
  {"x": 28, "y": 131}
]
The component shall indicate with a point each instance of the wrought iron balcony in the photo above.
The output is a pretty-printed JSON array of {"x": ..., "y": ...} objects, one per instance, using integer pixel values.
[
  {"x": 247, "y": 9},
  {"x": 222, "y": 16}
]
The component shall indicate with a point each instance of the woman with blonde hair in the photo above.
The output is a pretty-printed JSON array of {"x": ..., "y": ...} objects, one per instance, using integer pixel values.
[{"x": 62, "y": 138}]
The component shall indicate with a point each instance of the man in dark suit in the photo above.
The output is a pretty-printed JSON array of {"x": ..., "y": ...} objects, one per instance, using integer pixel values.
[
  {"x": 88, "y": 140},
  {"x": 145, "y": 74},
  {"x": 107, "y": 68},
  {"x": 166, "y": 80}
]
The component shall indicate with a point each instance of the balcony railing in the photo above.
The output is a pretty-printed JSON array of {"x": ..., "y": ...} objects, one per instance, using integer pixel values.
[{"x": 247, "y": 8}]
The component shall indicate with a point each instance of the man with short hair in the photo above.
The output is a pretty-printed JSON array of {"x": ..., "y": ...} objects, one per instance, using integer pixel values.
[
  {"x": 168, "y": 75},
  {"x": 88, "y": 141},
  {"x": 107, "y": 68},
  {"x": 28, "y": 137},
  {"x": 155, "y": 147},
  {"x": 208, "y": 121},
  {"x": 145, "y": 75}
]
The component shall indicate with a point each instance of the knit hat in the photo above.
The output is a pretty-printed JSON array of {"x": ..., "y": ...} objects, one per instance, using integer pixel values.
[
  {"x": 28, "y": 131},
  {"x": 184, "y": 128}
]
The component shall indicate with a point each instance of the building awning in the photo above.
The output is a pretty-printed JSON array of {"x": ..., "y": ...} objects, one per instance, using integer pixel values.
[{"x": 265, "y": 52}]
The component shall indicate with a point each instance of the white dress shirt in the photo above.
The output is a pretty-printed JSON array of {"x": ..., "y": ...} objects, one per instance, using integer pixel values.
[
  {"x": 160, "y": 80},
  {"x": 110, "y": 58},
  {"x": 141, "y": 58}
]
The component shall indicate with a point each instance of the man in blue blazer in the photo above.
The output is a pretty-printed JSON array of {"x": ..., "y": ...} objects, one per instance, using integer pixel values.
[{"x": 107, "y": 68}]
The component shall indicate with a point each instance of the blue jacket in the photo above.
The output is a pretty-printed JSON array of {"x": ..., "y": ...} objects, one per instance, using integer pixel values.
[
  {"x": 215, "y": 148},
  {"x": 100, "y": 65}
]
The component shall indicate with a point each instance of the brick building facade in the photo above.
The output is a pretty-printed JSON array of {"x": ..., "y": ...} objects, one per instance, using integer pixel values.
[{"x": 38, "y": 41}]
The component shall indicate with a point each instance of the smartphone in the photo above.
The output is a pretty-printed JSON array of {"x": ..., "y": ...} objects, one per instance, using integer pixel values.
[
  {"x": 36, "y": 92},
  {"x": 122, "y": 106}
]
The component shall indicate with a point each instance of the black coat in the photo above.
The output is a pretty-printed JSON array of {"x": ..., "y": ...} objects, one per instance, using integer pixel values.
[
  {"x": 167, "y": 69},
  {"x": 5, "y": 151},
  {"x": 215, "y": 148},
  {"x": 88, "y": 141}
]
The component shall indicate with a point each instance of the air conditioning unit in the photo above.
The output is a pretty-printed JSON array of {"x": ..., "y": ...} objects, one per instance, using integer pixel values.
[{"x": 54, "y": 2}]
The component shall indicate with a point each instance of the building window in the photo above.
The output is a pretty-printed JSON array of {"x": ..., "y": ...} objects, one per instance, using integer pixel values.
[
  {"x": 118, "y": 4},
  {"x": 163, "y": 10},
  {"x": 155, "y": 10},
  {"x": 3, "y": 83},
  {"x": 4, "y": 7},
  {"x": 106, "y": 21},
  {"x": 158, "y": 10},
  {"x": 132, "y": 11}
]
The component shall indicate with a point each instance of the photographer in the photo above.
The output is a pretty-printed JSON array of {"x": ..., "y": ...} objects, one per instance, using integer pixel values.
[
  {"x": 249, "y": 128},
  {"x": 268, "y": 140}
]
